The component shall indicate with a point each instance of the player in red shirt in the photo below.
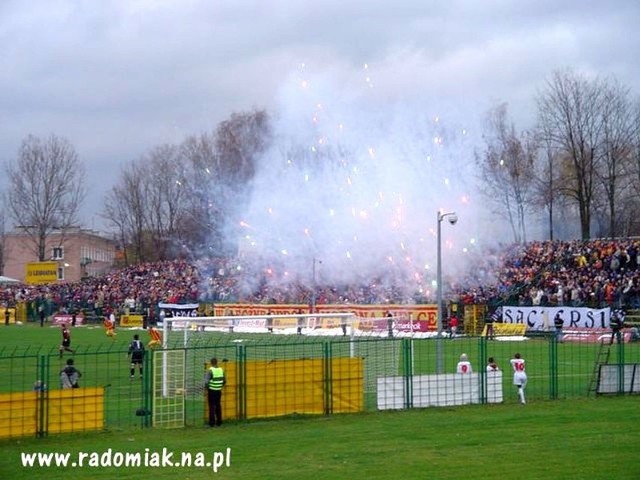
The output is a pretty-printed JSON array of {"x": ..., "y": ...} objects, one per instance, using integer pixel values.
[
  {"x": 66, "y": 340},
  {"x": 453, "y": 326}
]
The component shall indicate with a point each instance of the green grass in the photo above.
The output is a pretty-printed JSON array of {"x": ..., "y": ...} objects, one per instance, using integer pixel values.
[
  {"x": 574, "y": 437},
  {"x": 566, "y": 439}
]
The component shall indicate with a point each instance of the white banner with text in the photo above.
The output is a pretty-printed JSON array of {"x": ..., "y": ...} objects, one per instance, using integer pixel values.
[{"x": 541, "y": 318}]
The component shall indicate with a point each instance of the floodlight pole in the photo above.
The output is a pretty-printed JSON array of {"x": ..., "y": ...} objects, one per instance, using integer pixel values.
[
  {"x": 313, "y": 285},
  {"x": 439, "y": 352}
]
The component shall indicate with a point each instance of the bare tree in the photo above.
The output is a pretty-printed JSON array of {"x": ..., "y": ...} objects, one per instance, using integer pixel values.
[
  {"x": 184, "y": 195},
  {"x": 125, "y": 209},
  {"x": 3, "y": 243},
  {"x": 617, "y": 148},
  {"x": 507, "y": 170},
  {"x": 570, "y": 122},
  {"x": 631, "y": 203},
  {"x": 164, "y": 196},
  {"x": 547, "y": 177},
  {"x": 238, "y": 142},
  {"x": 635, "y": 145},
  {"x": 200, "y": 225},
  {"x": 46, "y": 188},
  {"x": 116, "y": 214}
]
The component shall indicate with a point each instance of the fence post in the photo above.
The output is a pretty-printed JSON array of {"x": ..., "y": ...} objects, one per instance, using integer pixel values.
[
  {"x": 482, "y": 370},
  {"x": 620, "y": 338},
  {"x": 553, "y": 367},
  {"x": 241, "y": 375},
  {"x": 147, "y": 388},
  {"x": 407, "y": 367},
  {"x": 43, "y": 393},
  {"x": 328, "y": 407}
]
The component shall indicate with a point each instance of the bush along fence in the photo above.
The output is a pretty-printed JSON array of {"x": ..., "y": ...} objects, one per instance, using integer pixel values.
[{"x": 305, "y": 376}]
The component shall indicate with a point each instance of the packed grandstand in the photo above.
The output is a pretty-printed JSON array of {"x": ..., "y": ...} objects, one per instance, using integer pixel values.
[{"x": 594, "y": 273}]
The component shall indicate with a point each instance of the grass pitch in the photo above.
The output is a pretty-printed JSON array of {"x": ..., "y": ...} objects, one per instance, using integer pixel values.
[{"x": 574, "y": 437}]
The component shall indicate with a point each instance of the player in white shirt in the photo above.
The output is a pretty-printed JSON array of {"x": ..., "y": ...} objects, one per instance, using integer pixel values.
[
  {"x": 519, "y": 375},
  {"x": 492, "y": 366},
  {"x": 464, "y": 365}
]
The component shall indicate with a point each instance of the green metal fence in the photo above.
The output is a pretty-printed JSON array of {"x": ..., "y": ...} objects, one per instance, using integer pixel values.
[{"x": 555, "y": 370}]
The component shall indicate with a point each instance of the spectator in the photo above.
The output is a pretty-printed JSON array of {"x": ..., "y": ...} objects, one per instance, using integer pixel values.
[
  {"x": 558, "y": 323},
  {"x": 453, "y": 326},
  {"x": 550, "y": 273},
  {"x": 70, "y": 375},
  {"x": 617, "y": 323}
]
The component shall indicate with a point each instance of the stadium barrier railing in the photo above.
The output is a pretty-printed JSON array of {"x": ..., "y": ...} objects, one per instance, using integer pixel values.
[{"x": 298, "y": 375}]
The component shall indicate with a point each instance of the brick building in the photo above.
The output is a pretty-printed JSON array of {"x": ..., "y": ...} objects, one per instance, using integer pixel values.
[{"x": 79, "y": 253}]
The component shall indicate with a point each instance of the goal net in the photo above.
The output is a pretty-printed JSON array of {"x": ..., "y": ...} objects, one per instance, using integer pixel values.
[
  {"x": 200, "y": 337},
  {"x": 191, "y": 331},
  {"x": 280, "y": 336},
  {"x": 169, "y": 376},
  {"x": 188, "y": 331}
]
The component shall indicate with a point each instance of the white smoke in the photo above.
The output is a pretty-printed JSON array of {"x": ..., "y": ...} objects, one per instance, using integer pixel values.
[{"x": 351, "y": 188}]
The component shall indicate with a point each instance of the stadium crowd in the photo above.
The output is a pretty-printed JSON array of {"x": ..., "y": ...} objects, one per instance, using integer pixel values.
[{"x": 593, "y": 273}]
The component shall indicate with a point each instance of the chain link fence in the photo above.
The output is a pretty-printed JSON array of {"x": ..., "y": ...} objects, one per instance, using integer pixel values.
[{"x": 330, "y": 376}]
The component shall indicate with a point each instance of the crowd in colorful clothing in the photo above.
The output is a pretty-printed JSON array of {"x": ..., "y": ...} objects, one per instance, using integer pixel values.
[{"x": 593, "y": 273}]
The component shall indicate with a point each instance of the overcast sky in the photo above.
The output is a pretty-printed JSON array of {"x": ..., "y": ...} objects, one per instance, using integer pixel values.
[{"x": 117, "y": 77}]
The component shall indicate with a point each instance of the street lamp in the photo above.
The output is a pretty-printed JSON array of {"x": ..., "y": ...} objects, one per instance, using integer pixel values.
[
  {"x": 453, "y": 219},
  {"x": 313, "y": 284}
]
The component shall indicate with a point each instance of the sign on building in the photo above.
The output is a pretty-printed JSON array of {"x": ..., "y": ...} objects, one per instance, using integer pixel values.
[{"x": 41, "y": 272}]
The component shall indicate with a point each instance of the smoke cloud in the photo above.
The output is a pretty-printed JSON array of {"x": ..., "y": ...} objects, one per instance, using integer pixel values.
[{"x": 350, "y": 189}]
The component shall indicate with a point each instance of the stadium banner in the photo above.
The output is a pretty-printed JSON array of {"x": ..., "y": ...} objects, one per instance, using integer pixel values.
[
  {"x": 541, "y": 318},
  {"x": 593, "y": 335},
  {"x": 178, "y": 309},
  {"x": 131, "y": 320},
  {"x": 38, "y": 273},
  {"x": 284, "y": 322},
  {"x": 246, "y": 310},
  {"x": 7, "y": 315},
  {"x": 516, "y": 329},
  {"x": 252, "y": 324},
  {"x": 406, "y": 318},
  {"x": 381, "y": 324},
  {"x": 426, "y": 314},
  {"x": 67, "y": 319},
  {"x": 326, "y": 322},
  {"x": 171, "y": 310}
]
